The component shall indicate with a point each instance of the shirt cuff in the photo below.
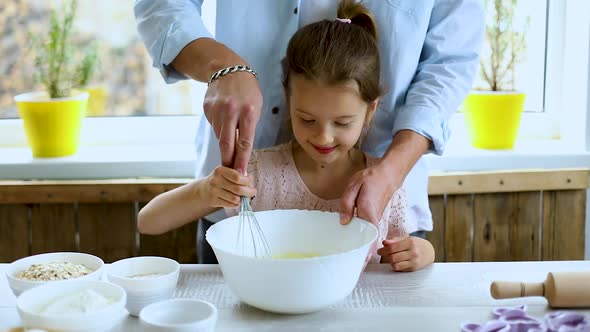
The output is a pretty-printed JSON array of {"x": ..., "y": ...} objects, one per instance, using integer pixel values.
[
  {"x": 427, "y": 122},
  {"x": 179, "y": 35}
]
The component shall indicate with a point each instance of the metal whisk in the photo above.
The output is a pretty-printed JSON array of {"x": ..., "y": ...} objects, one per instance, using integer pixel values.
[{"x": 251, "y": 240}]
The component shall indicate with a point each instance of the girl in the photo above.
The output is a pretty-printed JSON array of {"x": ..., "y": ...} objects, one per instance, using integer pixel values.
[{"x": 332, "y": 87}]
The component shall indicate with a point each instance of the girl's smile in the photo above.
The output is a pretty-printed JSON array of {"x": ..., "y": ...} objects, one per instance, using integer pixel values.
[{"x": 324, "y": 150}]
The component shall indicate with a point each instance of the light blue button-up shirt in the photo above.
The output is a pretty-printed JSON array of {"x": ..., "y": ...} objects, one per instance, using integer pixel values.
[{"x": 429, "y": 57}]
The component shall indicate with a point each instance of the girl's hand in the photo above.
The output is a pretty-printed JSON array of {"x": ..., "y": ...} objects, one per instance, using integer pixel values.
[
  {"x": 224, "y": 187},
  {"x": 407, "y": 254}
]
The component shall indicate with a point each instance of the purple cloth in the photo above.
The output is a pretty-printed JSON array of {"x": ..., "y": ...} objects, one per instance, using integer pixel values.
[{"x": 516, "y": 319}]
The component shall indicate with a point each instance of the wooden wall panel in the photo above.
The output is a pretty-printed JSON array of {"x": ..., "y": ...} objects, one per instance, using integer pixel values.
[
  {"x": 87, "y": 191},
  {"x": 525, "y": 233},
  {"x": 108, "y": 230},
  {"x": 477, "y": 216},
  {"x": 507, "y": 226},
  {"x": 157, "y": 245},
  {"x": 179, "y": 244},
  {"x": 494, "y": 213},
  {"x": 437, "y": 236},
  {"x": 563, "y": 225},
  {"x": 459, "y": 228},
  {"x": 14, "y": 232},
  {"x": 504, "y": 181},
  {"x": 186, "y": 243},
  {"x": 53, "y": 227}
]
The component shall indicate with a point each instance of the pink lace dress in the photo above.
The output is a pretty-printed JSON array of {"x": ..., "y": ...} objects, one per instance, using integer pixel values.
[{"x": 279, "y": 186}]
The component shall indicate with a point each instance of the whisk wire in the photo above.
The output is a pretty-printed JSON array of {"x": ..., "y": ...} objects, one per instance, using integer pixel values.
[{"x": 249, "y": 224}]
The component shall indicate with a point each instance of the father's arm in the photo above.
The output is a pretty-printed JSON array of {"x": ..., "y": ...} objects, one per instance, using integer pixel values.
[
  {"x": 178, "y": 42},
  {"x": 447, "y": 66},
  {"x": 181, "y": 47}
]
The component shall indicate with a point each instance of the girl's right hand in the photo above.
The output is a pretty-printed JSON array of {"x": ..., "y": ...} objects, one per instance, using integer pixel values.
[{"x": 225, "y": 186}]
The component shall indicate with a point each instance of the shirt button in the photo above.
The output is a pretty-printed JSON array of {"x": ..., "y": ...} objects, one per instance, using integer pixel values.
[
  {"x": 275, "y": 110},
  {"x": 295, "y": 11}
]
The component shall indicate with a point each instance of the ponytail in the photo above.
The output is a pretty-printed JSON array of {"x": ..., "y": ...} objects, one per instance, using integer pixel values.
[{"x": 358, "y": 15}]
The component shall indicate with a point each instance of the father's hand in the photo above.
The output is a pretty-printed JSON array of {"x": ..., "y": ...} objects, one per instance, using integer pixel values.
[
  {"x": 234, "y": 101},
  {"x": 369, "y": 191}
]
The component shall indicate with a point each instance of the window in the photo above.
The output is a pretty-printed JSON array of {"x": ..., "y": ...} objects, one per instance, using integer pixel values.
[
  {"x": 132, "y": 86},
  {"x": 556, "y": 55},
  {"x": 530, "y": 18},
  {"x": 142, "y": 109}
]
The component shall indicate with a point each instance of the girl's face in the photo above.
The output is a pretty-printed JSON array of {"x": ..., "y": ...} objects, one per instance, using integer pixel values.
[{"x": 327, "y": 120}]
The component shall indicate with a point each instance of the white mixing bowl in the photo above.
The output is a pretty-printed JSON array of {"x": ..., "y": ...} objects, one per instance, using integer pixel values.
[{"x": 299, "y": 285}]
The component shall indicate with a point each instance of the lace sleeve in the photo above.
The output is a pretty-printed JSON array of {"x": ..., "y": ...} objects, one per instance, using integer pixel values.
[
  {"x": 253, "y": 169},
  {"x": 397, "y": 216}
]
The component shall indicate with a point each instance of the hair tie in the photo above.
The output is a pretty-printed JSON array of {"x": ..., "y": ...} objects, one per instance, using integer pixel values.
[{"x": 343, "y": 20}]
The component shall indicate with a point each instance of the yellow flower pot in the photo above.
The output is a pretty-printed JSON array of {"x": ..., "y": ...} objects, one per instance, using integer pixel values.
[
  {"x": 97, "y": 99},
  {"x": 52, "y": 126},
  {"x": 493, "y": 118}
]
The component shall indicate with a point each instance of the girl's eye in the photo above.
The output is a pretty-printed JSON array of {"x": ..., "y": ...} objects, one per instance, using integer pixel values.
[
  {"x": 340, "y": 124},
  {"x": 307, "y": 121}
]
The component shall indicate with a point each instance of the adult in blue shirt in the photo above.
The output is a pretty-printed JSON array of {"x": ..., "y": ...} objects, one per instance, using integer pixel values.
[{"x": 429, "y": 54}]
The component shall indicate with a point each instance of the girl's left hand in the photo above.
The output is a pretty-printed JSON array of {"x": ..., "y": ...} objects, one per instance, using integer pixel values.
[{"x": 407, "y": 254}]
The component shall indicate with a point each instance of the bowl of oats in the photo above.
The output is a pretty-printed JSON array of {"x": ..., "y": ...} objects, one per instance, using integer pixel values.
[
  {"x": 39, "y": 269},
  {"x": 146, "y": 279}
]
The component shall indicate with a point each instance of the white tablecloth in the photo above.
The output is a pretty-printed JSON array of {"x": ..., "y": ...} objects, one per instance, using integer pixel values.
[{"x": 438, "y": 298}]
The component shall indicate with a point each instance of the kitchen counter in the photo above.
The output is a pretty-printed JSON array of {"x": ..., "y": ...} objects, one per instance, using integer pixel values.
[{"x": 437, "y": 298}]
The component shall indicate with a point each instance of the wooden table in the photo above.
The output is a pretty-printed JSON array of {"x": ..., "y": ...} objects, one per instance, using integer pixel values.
[{"x": 438, "y": 298}]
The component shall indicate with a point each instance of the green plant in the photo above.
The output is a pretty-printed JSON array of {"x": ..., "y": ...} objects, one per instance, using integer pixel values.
[
  {"x": 57, "y": 66},
  {"x": 87, "y": 66},
  {"x": 507, "y": 46}
]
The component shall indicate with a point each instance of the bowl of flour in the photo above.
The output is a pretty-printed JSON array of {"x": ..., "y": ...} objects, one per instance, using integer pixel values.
[{"x": 73, "y": 305}]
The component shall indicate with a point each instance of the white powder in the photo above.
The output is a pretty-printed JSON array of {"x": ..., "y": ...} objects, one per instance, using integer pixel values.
[{"x": 77, "y": 303}]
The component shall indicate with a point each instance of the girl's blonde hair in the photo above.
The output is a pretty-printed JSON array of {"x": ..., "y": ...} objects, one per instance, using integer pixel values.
[{"x": 335, "y": 52}]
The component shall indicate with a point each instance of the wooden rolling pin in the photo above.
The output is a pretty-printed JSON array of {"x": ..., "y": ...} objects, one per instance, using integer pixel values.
[{"x": 561, "y": 289}]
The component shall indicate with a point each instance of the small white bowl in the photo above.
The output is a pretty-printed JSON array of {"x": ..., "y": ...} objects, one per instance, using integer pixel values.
[
  {"x": 179, "y": 315},
  {"x": 31, "y": 302},
  {"x": 142, "y": 291},
  {"x": 19, "y": 285}
]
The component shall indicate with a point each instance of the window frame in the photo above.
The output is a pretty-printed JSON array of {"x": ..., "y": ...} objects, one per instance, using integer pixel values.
[
  {"x": 117, "y": 131},
  {"x": 562, "y": 107}
]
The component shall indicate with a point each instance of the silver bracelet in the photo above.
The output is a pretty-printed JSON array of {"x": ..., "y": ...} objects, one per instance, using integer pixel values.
[{"x": 229, "y": 70}]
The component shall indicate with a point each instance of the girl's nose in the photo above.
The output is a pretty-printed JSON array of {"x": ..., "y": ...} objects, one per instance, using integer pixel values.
[{"x": 324, "y": 136}]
